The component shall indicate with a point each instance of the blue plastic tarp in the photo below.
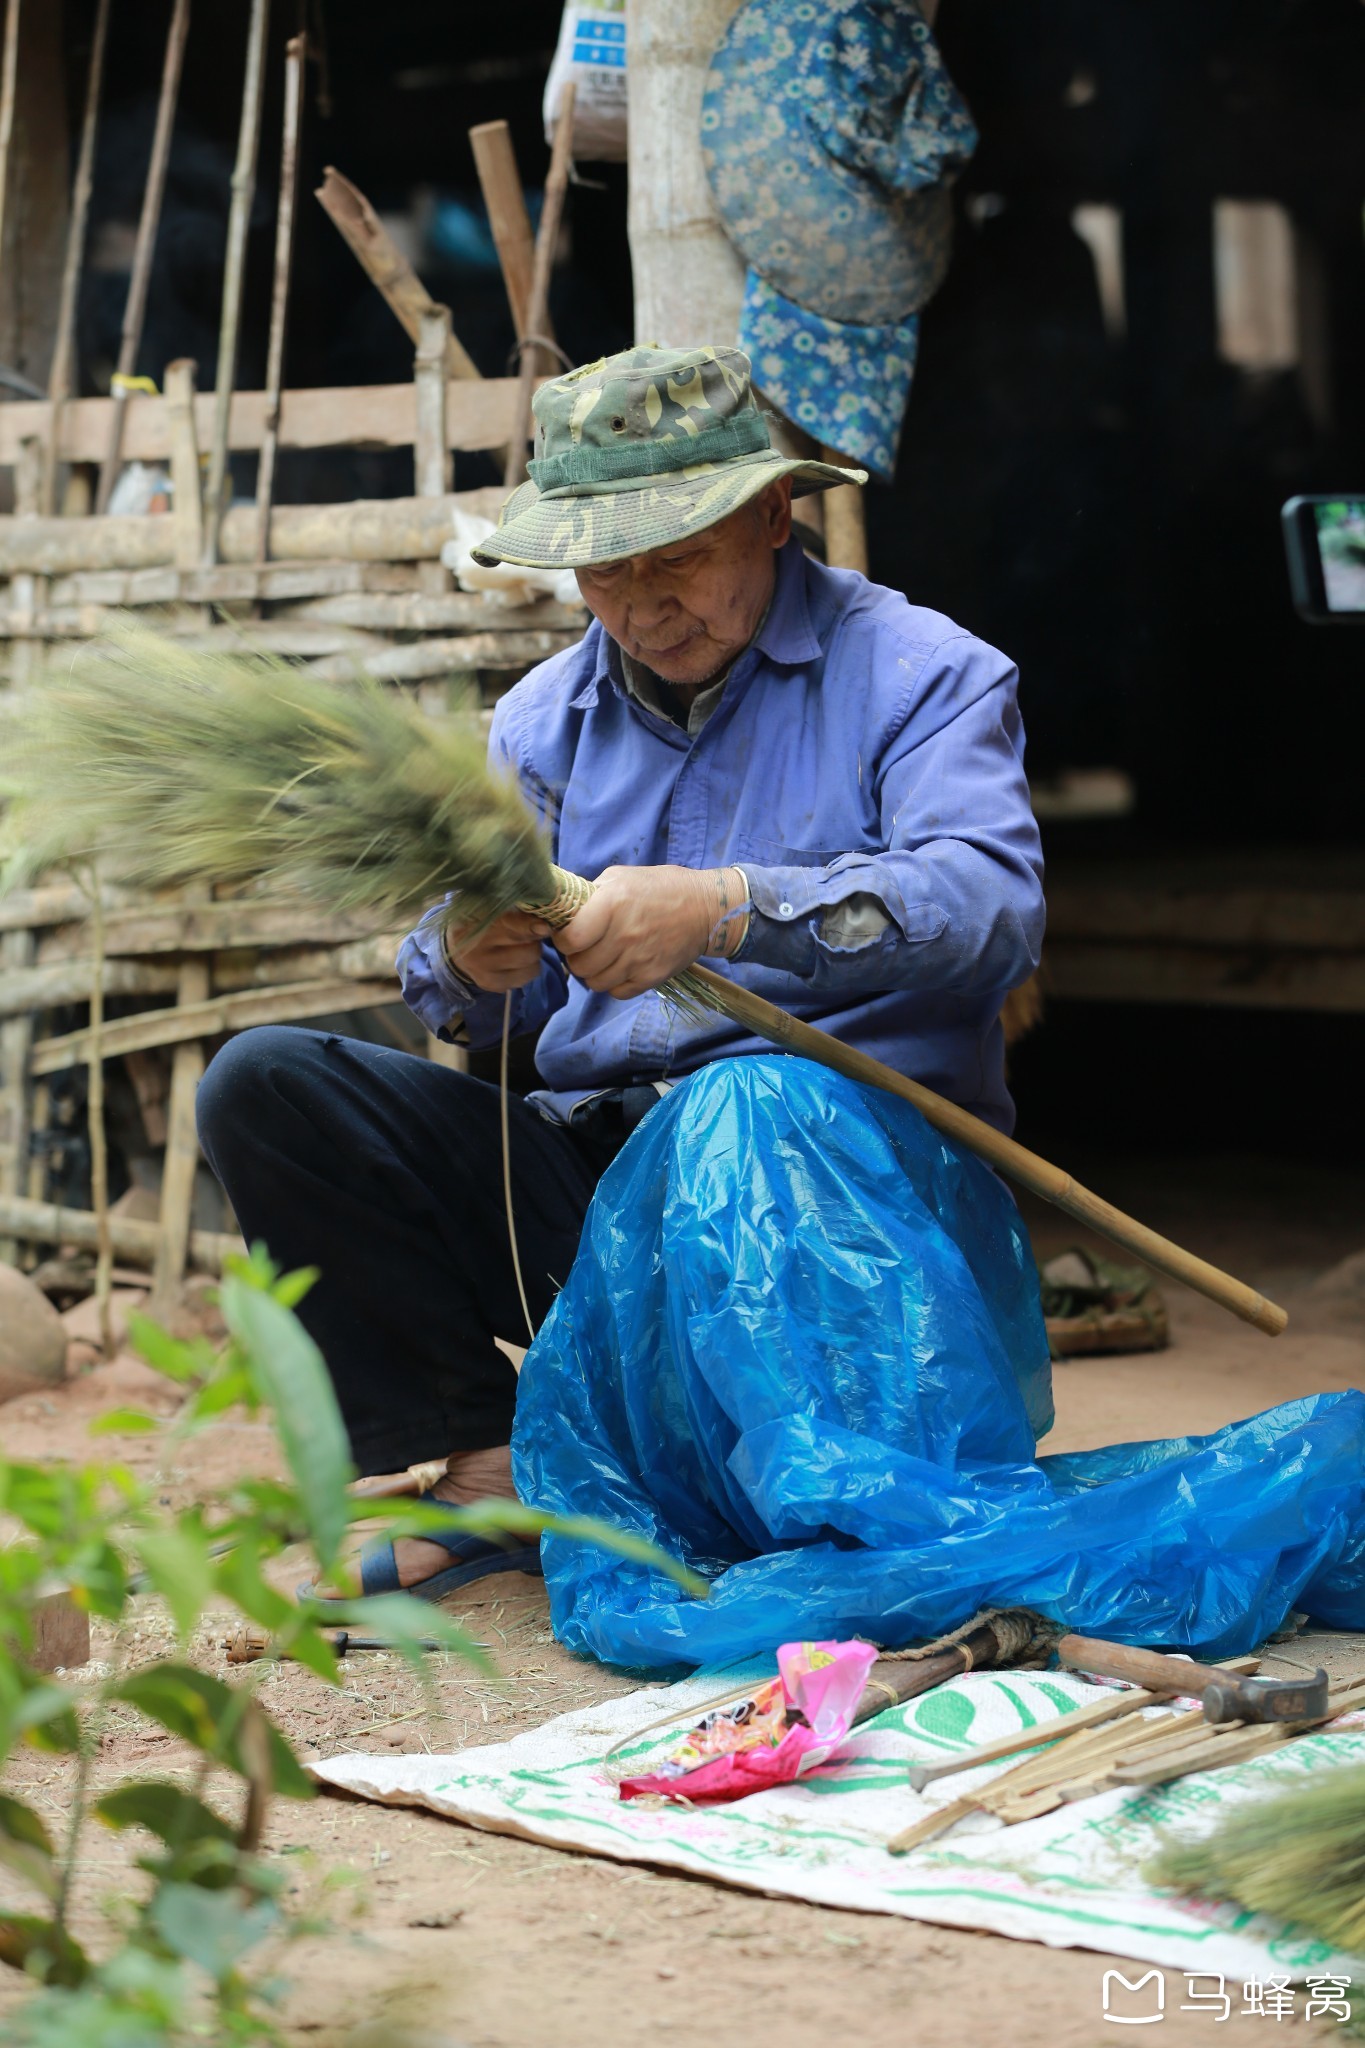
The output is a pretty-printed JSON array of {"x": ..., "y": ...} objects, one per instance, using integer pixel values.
[{"x": 801, "y": 1349}]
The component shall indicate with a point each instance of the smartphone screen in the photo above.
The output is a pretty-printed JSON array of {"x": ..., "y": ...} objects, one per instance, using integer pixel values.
[{"x": 1325, "y": 544}]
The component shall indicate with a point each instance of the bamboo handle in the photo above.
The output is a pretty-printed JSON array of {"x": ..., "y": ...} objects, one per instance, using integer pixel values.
[{"x": 1051, "y": 1182}]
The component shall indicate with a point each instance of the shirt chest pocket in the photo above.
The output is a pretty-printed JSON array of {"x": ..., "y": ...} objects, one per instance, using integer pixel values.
[{"x": 775, "y": 853}]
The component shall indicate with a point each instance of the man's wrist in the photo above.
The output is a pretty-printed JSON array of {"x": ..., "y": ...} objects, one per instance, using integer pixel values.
[{"x": 730, "y": 924}]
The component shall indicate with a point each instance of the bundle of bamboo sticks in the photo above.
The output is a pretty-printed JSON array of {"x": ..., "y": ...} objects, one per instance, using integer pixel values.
[{"x": 1080, "y": 1761}]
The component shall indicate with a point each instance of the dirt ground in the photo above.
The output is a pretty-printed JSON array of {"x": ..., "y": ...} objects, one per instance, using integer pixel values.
[{"x": 447, "y": 1935}]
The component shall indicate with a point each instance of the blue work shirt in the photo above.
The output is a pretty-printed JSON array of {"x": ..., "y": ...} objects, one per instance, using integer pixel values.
[{"x": 862, "y": 747}]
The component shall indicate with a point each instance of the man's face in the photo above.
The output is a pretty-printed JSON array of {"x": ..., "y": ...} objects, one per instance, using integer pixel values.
[{"x": 686, "y": 610}]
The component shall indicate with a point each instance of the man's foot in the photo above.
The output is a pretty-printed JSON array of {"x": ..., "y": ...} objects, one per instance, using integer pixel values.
[{"x": 469, "y": 1476}]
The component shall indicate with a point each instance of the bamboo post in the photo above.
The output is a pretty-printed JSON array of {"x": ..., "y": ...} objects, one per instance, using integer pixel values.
[
  {"x": 551, "y": 213},
  {"x": 99, "y": 1142},
  {"x": 186, "y": 481},
  {"x": 135, "y": 306},
  {"x": 182, "y": 1139},
  {"x": 25, "y": 590},
  {"x": 1042, "y": 1178},
  {"x": 432, "y": 463},
  {"x": 495, "y": 160},
  {"x": 295, "y": 68},
  {"x": 845, "y": 521},
  {"x": 9, "y": 71},
  {"x": 384, "y": 263},
  {"x": 239, "y": 220},
  {"x": 18, "y": 949},
  {"x": 687, "y": 273},
  {"x": 433, "y": 468},
  {"x": 61, "y": 374}
]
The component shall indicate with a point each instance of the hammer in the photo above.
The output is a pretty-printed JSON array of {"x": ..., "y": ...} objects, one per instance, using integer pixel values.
[{"x": 1223, "y": 1695}]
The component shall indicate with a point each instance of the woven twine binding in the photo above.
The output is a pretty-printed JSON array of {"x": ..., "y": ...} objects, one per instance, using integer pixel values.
[{"x": 571, "y": 893}]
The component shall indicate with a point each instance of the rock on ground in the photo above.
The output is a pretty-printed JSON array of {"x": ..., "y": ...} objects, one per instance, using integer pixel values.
[{"x": 32, "y": 1337}]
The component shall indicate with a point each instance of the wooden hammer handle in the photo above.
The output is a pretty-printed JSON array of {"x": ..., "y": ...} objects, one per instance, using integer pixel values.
[{"x": 1143, "y": 1667}]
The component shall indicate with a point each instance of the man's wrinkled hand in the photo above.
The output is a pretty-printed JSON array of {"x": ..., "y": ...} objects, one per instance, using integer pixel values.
[
  {"x": 642, "y": 924},
  {"x": 504, "y": 956}
]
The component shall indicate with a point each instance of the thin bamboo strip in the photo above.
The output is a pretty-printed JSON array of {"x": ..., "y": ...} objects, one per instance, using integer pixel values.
[
  {"x": 234, "y": 269},
  {"x": 295, "y": 72},
  {"x": 60, "y": 374},
  {"x": 9, "y": 70},
  {"x": 1117, "y": 1706},
  {"x": 135, "y": 306},
  {"x": 99, "y": 1142},
  {"x": 181, "y": 1158},
  {"x": 547, "y": 235}
]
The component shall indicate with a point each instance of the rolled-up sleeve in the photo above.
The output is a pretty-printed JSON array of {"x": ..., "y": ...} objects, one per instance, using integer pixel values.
[{"x": 959, "y": 880}]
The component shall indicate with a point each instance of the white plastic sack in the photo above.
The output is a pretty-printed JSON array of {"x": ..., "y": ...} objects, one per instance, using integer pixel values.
[
  {"x": 591, "y": 52},
  {"x": 501, "y": 583}
]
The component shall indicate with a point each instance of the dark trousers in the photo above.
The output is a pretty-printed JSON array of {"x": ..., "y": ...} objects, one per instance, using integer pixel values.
[{"x": 385, "y": 1171}]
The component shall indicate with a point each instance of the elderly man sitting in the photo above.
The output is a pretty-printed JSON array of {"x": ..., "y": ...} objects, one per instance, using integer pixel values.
[{"x": 767, "y": 763}]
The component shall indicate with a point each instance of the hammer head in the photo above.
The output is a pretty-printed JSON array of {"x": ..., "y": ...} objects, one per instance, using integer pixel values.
[{"x": 1265, "y": 1699}]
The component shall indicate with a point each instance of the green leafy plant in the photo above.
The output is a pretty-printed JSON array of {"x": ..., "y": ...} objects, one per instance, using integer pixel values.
[{"x": 186, "y": 1964}]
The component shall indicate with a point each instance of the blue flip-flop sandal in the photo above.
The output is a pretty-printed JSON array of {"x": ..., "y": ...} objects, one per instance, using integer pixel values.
[{"x": 475, "y": 1558}]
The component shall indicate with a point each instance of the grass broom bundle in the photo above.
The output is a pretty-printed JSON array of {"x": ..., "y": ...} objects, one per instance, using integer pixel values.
[
  {"x": 166, "y": 765},
  {"x": 1299, "y": 1856}
]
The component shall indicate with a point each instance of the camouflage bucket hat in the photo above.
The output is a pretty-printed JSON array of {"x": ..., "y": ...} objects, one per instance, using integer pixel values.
[{"x": 638, "y": 450}]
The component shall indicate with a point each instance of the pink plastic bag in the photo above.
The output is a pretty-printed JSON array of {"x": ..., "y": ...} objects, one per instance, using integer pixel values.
[{"x": 773, "y": 1734}]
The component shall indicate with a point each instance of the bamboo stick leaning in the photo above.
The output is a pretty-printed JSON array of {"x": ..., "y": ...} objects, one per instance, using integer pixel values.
[
  {"x": 495, "y": 160},
  {"x": 537, "y": 306},
  {"x": 9, "y": 71},
  {"x": 351, "y": 796},
  {"x": 135, "y": 306},
  {"x": 295, "y": 76},
  {"x": 234, "y": 268},
  {"x": 60, "y": 378},
  {"x": 384, "y": 263}
]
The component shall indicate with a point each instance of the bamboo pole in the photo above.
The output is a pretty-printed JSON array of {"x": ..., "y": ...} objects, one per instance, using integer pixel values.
[
  {"x": 1051, "y": 1182},
  {"x": 845, "y": 520},
  {"x": 45, "y": 1223},
  {"x": 135, "y": 307},
  {"x": 295, "y": 73},
  {"x": 60, "y": 376},
  {"x": 186, "y": 481},
  {"x": 495, "y": 160},
  {"x": 181, "y": 1159},
  {"x": 9, "y": 71},
  {"x": 367, "y": 530},
  {"x": 99, "y": 1143},
  {"x": 384, "y": 263},
  {"x": 551, "y": 213},
  {"x": 234, "y": 265}
]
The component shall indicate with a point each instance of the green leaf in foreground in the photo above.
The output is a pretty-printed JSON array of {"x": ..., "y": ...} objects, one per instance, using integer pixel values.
[
  {"x": 25, "y": 1847},
  {"x": 174, "y": 1816},
  {"x": 176, "y": 1560},
  {"x": 494, "y": 1518},
  {"x": 203, "y": 1711},
  {"x": 292, "y": 1379},
  {"x": 42, "y": 1949},
  {"x": 212, "y": 1929}
]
